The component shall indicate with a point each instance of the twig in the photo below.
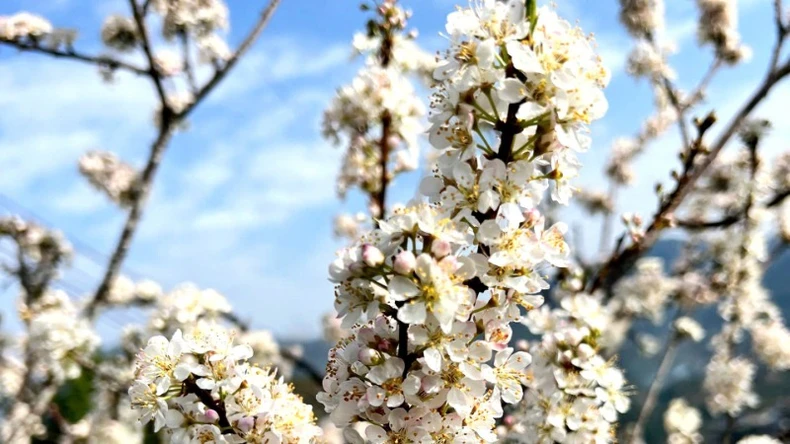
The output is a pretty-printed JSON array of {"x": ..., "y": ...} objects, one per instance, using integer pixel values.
[
  {"x": 145, "y": 42},
  {"x": 184, "y": 39},
  {"x": 71, "y": 54},
  {"x": 190, "y": 386},
  {"x": 608, "y": 220},
  {"x": 674, "y": 100},
  {"x": 728, "y": 430},
  {"x": 703, "y": 84},
  {"x": 664, "y": 368},
  {"x": 732, "y": 219}
]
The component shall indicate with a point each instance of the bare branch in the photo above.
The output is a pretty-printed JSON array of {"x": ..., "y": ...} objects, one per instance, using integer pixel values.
[
  {"x": 70, "y": 54},
  {"x": 731, "y": 219},
  {"x": 242, "y": 49},
  {"x": 184, "y": 38},
  {"x": 698, "y": 92},
  {"x": 145, "y": 42}
]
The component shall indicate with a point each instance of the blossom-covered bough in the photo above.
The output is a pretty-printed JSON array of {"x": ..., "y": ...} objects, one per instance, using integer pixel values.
[
  {"x": 59, "y": 343},
  {"x": 725, "y": 200},
  {"x": 378, "y": 115},
  {"x": 427, "y": 293},
  {"x": 430, "y": 294}
]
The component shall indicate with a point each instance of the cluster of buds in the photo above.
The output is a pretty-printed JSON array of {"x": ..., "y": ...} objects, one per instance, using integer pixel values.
[
  {"x": 110, "y": 175},
  {"x": 431, "y": 293}
]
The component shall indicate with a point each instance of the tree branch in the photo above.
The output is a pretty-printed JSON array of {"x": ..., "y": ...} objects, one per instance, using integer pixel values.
[
  {"x": 71, "y": 54},
  {"x": 620, "y": 263},
  {"x": 135, "y": 213},
  {"x": 732, "y": 219},
  {"x": 242, "y": 49},
  {"x": 145, "y": 42}
]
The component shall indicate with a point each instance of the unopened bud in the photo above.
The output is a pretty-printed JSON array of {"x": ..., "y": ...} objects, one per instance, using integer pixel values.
[
  {"x": 372, "y": 256},
  {"x": 211, "y": 415},
  {"x": 368, "y": 356},
  {"x": 440, "y": 248},
  {"x": 246, "y": 424},
  {"x": 585, "y": 352},
  {"x": 404, "y": 262}
]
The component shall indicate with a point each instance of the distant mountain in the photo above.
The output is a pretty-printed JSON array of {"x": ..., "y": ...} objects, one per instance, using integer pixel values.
[{"x": 686, "y": 377}]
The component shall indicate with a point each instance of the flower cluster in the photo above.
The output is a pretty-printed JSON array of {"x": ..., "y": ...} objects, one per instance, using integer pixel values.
[
  {"x": 58, "y": 337},
  {"x": 759, "y": 439},
  {"x": 647, "y": 291},
  {"x": 431, "y": 293},
  {"x": 728, "y": 382},
  {"x": 110, "y": 175},
  {"x": 718, "y": 26},
  {"x": 24, "y": 25},
  {"x": 682, "y": 423},
  {"x": 642, "y": 17},
  {"x": 574, "y": 394},
  {"x": 119, "y": 33},
  {"x": 201, "y": 388},
  {"x": 36, "y": 242},
  {"x": 199, "y": 19},
  {"x": 358, "y": 113},
  {"x": 378, "y": 115}
]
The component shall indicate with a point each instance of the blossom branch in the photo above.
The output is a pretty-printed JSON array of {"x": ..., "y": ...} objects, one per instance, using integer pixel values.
[
  {"x": 169, "y": 120},
  {"x": 621, "y": 262},
  {"x": 71, "y": 54},
  {"x": 190, "y": 386},
  {"x": 727, "y": 221}
]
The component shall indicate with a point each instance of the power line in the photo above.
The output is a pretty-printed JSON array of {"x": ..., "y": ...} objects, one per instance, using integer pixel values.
[{"x": 81, "y": 247}]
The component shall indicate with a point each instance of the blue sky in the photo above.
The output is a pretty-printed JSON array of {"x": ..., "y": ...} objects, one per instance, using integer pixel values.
[{"x": 244, "y": 200}]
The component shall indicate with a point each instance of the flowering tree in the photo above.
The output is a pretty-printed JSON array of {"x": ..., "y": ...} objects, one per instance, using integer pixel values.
[
  {"x": 196, "y": 383},
  {"x": 427, "y": 293}
]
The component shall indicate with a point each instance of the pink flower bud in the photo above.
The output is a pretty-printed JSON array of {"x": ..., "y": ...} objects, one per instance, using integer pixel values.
[
  {"x": 404, "y": 262},
  {"x": 372, "y": 256},
  {"x": 440, "y": 248},
  {"x": 211, "y": 415},
  {"x": 246, "y": 424},
  {"x": 522, "y": 344},
  {"x": 509, "y": 420}
]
